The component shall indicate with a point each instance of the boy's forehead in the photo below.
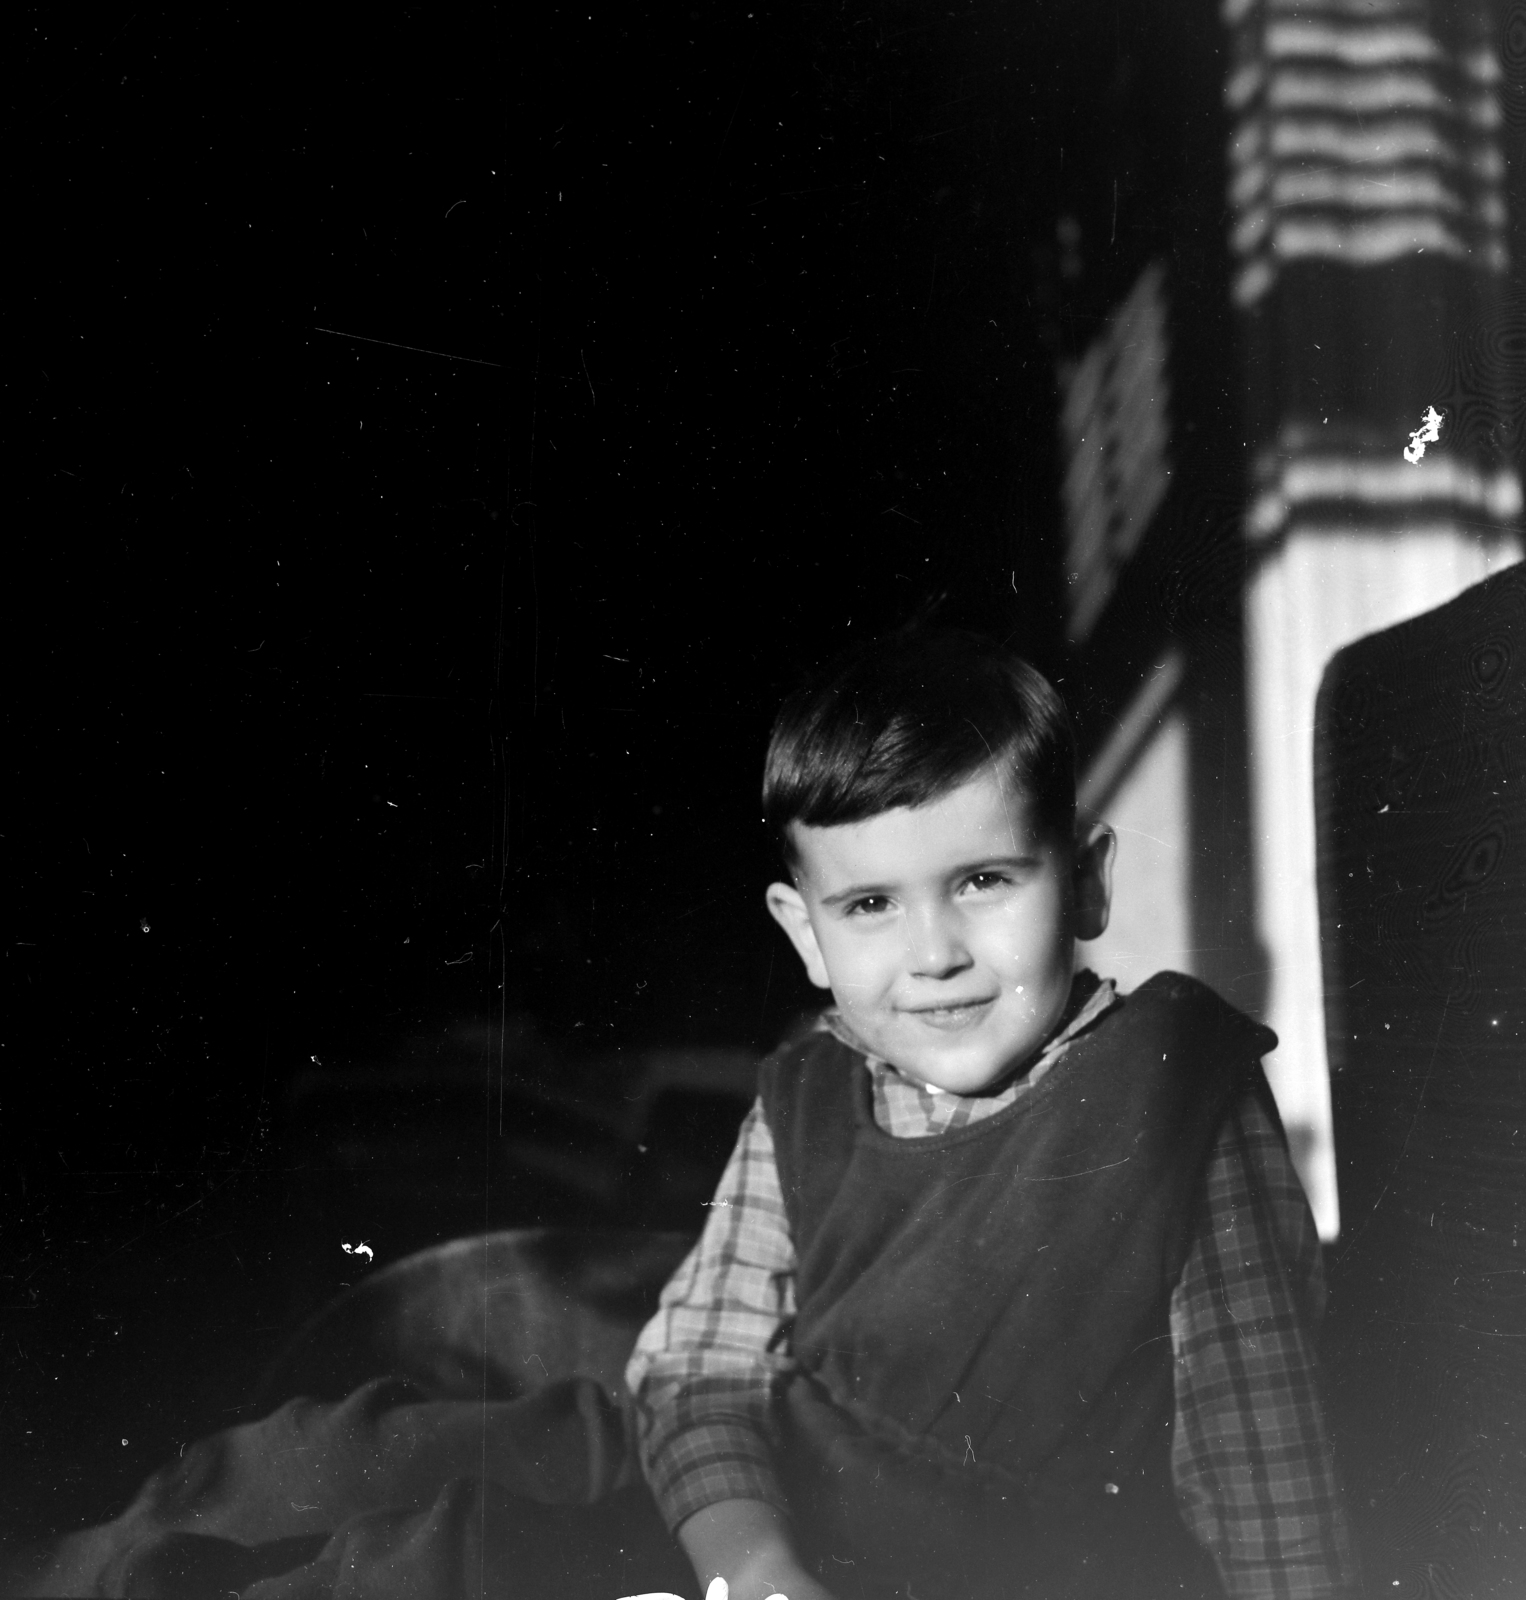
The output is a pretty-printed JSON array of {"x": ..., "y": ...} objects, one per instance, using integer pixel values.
[{"x": 983, "y": 817}]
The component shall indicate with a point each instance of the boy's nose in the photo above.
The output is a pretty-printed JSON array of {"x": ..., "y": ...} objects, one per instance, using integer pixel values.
[{"x": 937, "y": 946}]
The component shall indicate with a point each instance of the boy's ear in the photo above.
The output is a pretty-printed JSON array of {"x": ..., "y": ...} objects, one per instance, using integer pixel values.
[
  {"x": 787, "y": 908},
  {"x": 1096, "y": 845}
]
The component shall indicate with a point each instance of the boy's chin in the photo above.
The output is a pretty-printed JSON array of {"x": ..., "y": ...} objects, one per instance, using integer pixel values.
[{"x": 962, "y": 1073}]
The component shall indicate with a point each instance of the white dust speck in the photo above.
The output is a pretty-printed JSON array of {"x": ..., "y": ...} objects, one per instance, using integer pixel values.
[{"x": 1428, "y": 432}]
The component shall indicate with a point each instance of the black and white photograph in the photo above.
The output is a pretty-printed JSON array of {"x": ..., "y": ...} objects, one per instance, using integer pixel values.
[{"x": 766, "y": 825}]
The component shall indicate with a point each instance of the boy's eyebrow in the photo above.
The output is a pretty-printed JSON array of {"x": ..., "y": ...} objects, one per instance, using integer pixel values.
[{"x": 859, "y": 891}]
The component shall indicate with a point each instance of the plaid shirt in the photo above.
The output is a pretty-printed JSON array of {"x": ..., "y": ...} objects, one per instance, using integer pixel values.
[{"x": 1250, "y": 1455}]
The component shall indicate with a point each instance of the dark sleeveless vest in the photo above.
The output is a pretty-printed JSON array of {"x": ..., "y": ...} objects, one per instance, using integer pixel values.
[{"x": 984, "y": 1402}]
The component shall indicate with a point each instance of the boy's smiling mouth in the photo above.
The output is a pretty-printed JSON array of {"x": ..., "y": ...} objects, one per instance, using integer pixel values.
[{"x": 952, "y": 1015}]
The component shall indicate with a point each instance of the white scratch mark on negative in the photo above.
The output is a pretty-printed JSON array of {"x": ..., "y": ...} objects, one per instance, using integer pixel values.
[
  {"x": 358, "y": 1250},
  {"x": 1428, "y": 432},
  {"x": 719, "y": 1590}
]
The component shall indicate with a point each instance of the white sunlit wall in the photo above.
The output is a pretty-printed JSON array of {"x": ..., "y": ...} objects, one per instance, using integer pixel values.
[
  {"x": 1151, "y": 926},
  {"x": 1138, "y": 785}
]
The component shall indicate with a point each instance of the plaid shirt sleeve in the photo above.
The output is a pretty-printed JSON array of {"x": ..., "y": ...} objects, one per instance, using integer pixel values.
[
  {"x": 1252, "y": 1460},
  {"x": 705, "y": 1366}
]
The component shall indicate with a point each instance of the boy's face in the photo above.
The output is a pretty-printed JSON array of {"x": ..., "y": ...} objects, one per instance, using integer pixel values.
[{"x": 946, "y": 932}]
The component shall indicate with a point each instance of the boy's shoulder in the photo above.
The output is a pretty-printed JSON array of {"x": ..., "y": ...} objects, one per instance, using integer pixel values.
[{"x": 1173, "y": 1003}]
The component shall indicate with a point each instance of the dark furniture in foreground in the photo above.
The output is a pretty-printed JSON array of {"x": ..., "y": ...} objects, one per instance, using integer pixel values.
[
  {"x": 1421, "y": 784},
  {"x": 491, "y": 1317},
  {"x": 497, "y": 1467}
]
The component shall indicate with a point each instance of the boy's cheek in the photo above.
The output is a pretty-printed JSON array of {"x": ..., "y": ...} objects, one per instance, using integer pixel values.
[{"x": 856, "y": 976}]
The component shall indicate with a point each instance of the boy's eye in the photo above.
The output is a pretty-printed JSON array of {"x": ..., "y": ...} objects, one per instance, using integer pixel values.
[
  {"x": 987, "y": 880},
  {"x": 870, "y": 905}
]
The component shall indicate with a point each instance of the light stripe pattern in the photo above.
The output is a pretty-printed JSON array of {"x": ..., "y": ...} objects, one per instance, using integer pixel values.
[
  {"x": 1300, "y": 485},
  {"x": 1361, "y": 136}
]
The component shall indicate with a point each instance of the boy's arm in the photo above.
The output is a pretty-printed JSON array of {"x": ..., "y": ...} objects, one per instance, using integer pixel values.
[
  {"x": 749, "y": 1544},
  {"x": 1252, "y": 1459},
  {"x": 703, "y": 1374}
]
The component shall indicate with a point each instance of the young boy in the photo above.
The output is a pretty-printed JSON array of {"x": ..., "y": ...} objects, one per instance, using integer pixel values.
[{"x": 1009, "y": 1287}]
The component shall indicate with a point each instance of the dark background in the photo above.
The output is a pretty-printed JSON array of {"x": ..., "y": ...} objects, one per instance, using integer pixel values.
[{"x": 440, "y": 440}]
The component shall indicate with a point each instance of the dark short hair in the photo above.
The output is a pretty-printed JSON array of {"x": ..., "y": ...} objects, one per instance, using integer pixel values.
[{"x": 905, "y": 719}]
